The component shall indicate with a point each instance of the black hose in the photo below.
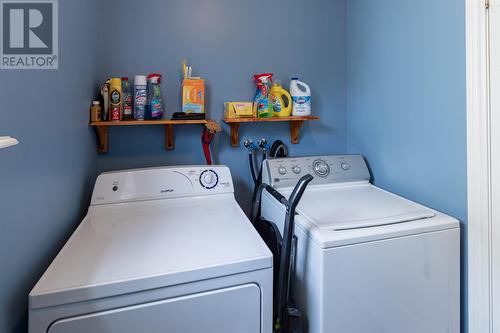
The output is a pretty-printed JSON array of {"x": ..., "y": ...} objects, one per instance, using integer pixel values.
[
  {"x": 259, "y": 180},
  {"x": 278, "y": 149},
  {"x": 252, "y": 168},
  {"x": 256, "y": 204}
]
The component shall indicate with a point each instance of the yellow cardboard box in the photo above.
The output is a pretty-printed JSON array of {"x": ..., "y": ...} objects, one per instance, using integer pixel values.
[{"x": 238, "y": 109}]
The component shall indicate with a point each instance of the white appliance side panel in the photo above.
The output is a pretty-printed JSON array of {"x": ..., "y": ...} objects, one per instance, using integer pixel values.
[
  {"x": 231, "y": 310},
  {"x": 406, "y": 284},
  {"x": 308, "y": 282}
]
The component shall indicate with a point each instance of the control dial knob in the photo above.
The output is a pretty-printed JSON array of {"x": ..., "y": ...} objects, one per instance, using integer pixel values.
[
  {"x": 321, "y": 168},
  {"x": 296, "y": 169},
  {"x": 209, "y": 179},
  {"x": 282, "y": 170}
]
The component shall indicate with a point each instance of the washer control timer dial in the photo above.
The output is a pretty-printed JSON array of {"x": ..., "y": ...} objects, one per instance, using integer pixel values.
[
  {"x": 209, "y": 179},
  {"x": 321, "y": 168},
  {"x": 296, "y": 169}
]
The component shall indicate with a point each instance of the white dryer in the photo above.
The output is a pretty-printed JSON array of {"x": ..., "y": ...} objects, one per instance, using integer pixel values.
[
  {"x": 366, "y": 260},
  {"x": 160, "y": 250}
]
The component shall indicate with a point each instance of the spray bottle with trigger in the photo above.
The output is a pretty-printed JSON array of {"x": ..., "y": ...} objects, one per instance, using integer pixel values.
[{"x": 262, "y": 106}]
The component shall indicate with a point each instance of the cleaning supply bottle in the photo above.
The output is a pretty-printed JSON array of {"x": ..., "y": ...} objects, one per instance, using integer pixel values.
[
  {"x": 261, "y": 104},
  {"x": 140, "y": 97},
  {"x": 105, "y": 100},
  {"x": 301, "y": 97},
  {"x": 281, "y": 101},
  {"x": 127, "y": 100},
  {"x": 115, "y": 99},
  {"x": 155, "y": 98},
  {"x": 95, "y": 112}
]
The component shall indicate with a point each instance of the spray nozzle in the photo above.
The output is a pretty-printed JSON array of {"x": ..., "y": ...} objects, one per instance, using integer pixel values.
[{"x": 263, "y": 78}]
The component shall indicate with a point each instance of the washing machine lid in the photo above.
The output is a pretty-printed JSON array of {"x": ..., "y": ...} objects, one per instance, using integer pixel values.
[
  {"x": 358, "y": 206},
  {"x": 353, "y": 213},
  {"x": 136, "y": 246}
]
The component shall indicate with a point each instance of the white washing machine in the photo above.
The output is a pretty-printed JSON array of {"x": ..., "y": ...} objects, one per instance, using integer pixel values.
[
  {"x": 367, "y": 261},
  {"x": 160, "y": 250}
]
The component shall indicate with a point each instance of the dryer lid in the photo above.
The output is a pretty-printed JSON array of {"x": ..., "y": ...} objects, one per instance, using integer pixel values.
[
  {"x": 357, "y": 206},
  {"x": 136, "y": 246}
]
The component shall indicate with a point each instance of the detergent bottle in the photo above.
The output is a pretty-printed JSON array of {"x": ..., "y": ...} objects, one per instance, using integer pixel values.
[
  {"x": 261, "y": 104},
  {"x": 301, "y": 97},
  {"x": 281, "y": 101}
]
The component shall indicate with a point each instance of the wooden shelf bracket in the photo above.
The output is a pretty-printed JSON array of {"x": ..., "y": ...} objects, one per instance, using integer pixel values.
[
  {"x": 235, "y": 140},
  {"x": 102, "y": 128},
  {"x": 169, "y": 137},
  {"x": 102, "y": 139},
  {"x": 295, "y": 125},
  {"x": 295, "y": 131}
]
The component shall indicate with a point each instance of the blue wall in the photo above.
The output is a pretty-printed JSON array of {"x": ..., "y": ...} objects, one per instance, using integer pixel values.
[
  {"x": 225, "y": 44},
  {"x": 406, "y": 99},
  {"x": 388, "y": 81},
  {"x": 46, "y": 180}
]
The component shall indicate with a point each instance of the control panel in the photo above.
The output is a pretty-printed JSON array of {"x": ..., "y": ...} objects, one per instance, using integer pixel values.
[
  {"x": 159, "y": 183},
  {"x": 284, "y": 172}
]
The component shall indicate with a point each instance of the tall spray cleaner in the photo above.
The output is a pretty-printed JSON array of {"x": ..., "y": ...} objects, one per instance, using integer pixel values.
[
  {"x": 261, "y": 104},
  {"x": 155, "y": 97},
  {"x": 301, "y": 97}
]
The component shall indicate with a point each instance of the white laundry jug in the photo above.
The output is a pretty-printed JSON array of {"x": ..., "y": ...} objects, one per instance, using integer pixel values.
[{"x": 301, "y": 97}]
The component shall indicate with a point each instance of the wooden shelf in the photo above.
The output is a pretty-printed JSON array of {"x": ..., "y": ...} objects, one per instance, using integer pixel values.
[
  {"x": 101, "y": 128},
  {"x": 295, "y": 124}
]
